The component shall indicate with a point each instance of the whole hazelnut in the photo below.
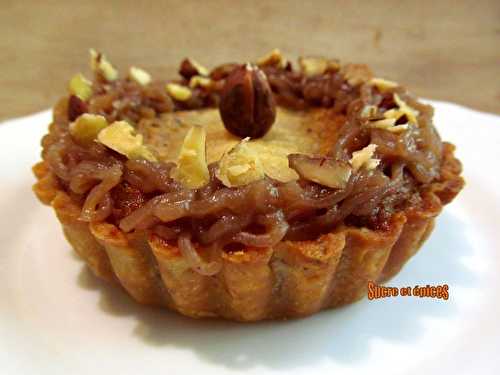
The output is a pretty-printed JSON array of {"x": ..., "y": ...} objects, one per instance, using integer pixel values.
[{"x": 247, "y": 105}]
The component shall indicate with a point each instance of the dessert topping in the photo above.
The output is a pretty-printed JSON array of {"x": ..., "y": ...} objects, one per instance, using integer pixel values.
[
  {"x": 383, "y": 84},
  {"x": 369, "y": 112},
  {"x": 101, "y": 65},
  {"x": 411, "y": 114},
  {"x": 240, "y": 166},
  {"x": 364, "y": 158},
  {"x": 312, "y": 66},
  {"x": 121, "y": 137},
  {"x": 190, "y": 68},
  {"x": 322, "y": 170},
  {"x": 388, "y": 124},
  {"x": 393, "y": 114},
  {"x": 199, "y": 81},
  {"x": 247, "y": 105},
  {"x": 356, "y": 74},
  {"x": 86, "y": 127},
  {"x": 192, "y": 169},
  {"x": 139, "y": 75},
  {"x": 80, "y": 86},
  {"x": 273, "y": 58},
  {"x": 179, "y": 92}
]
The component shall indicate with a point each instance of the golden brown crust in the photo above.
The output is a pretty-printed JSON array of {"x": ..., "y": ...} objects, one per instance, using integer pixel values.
[
  {"x": 363, "y": 259},
  {"x": 293, "y": 279}
]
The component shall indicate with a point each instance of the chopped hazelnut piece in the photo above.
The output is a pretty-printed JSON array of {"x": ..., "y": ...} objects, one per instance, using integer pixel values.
[
  {"x": 240, "y": 166},
  {"x": 121, "y": 137},
  {"x": 399, "y": 128},
  {"x": 179, "y": 92},
  {"x": 100, "y": 64},
  {"x": 363, "y": 158},
  {"x": 356, "y": 74},
  {"x": 273, "y": 58},
  {"x": 202, "y": 71},
  {"x": 80, "y": 86},
  {"x": 388, "y": 124},
  {"x": 372, "y": 164},
  {"x": 192, "y": 169},
  {"x": 384, "y": 123},
  {"x": 410, "y": 113},
  {"x": 369, "y": 111},
  {"x": 321, "y": 169},
  {"x": 190, "y": 68},
  {"x": 199, "y": 81},
  {"x": 383, "y": 84},
  {"x": 312, "y": 66},
  {"x": 393, "y": 113},
  {"x": 139, "y": 75},
  {"x": 86, "y": 128}
]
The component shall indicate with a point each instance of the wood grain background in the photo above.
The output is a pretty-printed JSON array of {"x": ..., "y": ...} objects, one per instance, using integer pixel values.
[{"x": 441, "y": 49}]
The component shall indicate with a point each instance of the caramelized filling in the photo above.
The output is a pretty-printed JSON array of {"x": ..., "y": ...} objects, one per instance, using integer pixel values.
[{"x": 140, "y": 194}]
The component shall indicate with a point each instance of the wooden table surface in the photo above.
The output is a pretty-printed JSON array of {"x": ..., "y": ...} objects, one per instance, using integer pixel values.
[{"x": 448, "y": 50}]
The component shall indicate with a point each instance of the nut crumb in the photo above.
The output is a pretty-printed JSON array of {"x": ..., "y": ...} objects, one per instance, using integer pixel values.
[
  {"x": 369, "y": 111},
  {"x": 388, "y": 124},
  {"x": 199, "y": 81},
  {"x": 273, "y": 58},
  {"x": 240, "y": 166},
  {"x": 121, "y": 137},
  {"x": 179, "y": 92},
  {"x": 80, "y": 86},
  {"x": 139, "y": 75},
  {"x": 192, "y": 169},
  {"x": 356, "y": 74},
  {"x": 86, "y": 128},
  {"x": 101, "y": 65},
  {"x": 393, "y": 113},
  {"x": 363, "y": 158},
  {"x": 411, "y": 113},
  {"x": 383, "y": 84},
  {"x": 322, "y": 170},
  {"x": 312, "y": 66}
]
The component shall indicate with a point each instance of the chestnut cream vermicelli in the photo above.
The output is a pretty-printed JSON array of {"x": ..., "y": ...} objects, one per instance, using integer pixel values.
[{"x": 141, "y": 195}]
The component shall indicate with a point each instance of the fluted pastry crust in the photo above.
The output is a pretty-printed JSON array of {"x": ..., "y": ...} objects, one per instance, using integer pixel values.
[{"x": 292, "y": 279}]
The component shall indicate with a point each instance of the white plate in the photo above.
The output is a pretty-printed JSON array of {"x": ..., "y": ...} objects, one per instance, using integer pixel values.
[{"x": 56, "y": 318}]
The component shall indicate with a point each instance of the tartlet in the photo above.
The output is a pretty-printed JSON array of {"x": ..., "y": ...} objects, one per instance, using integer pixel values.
[{"x": 248, "y": 192}]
